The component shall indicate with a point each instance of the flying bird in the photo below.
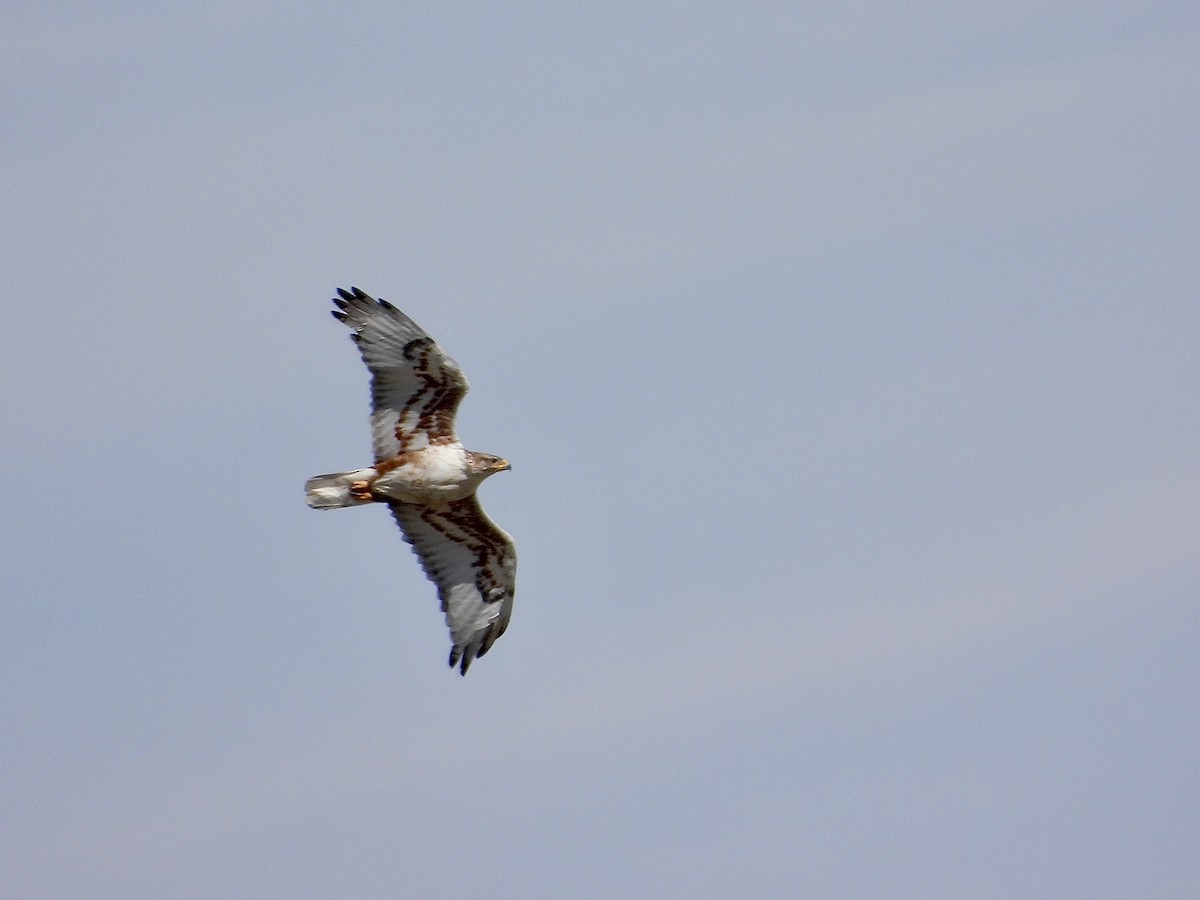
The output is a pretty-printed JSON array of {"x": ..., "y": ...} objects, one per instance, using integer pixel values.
[{"x": 425, "y": 475}]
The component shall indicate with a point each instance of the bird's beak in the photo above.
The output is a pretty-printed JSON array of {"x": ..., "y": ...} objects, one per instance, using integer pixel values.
[{"x": 503, "y": 466}]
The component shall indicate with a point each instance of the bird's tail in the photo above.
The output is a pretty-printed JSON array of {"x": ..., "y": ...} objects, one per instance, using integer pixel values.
[{"x": 333, "y": 491}]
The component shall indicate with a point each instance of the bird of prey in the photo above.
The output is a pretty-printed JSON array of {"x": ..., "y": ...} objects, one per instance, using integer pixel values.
[{"x": 425, "y": 475}]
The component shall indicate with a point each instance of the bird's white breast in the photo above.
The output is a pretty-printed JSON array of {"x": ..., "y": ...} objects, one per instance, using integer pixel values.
[{"x": 433, "y": 474}]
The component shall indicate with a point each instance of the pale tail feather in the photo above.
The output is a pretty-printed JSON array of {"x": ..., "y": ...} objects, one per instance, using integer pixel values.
[{"x": 333, "y": 491}]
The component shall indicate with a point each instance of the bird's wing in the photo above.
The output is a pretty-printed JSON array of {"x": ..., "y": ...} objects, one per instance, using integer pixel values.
[
  {"x": 474, "y": 565},
  {"x": 415, "y": 386}
]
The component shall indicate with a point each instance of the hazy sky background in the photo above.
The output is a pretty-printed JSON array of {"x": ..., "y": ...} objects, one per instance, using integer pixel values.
[{"x": 847, "y": 359}]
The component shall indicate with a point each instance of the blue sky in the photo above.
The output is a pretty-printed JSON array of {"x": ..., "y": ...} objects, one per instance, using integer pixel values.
[{"x": 846, "y": 360}]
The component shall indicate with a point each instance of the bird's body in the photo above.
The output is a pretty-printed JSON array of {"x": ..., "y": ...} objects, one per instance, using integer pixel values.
[
  {"x": 425, "y": 475},
  {"x": 435, "y": 474}
]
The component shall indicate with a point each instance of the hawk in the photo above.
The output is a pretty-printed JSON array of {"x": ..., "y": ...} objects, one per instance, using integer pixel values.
[{"x": 425, "y": 475}]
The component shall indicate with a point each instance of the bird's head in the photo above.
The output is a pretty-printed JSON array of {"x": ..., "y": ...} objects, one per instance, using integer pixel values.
[{"x": 487, "y": 464}]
